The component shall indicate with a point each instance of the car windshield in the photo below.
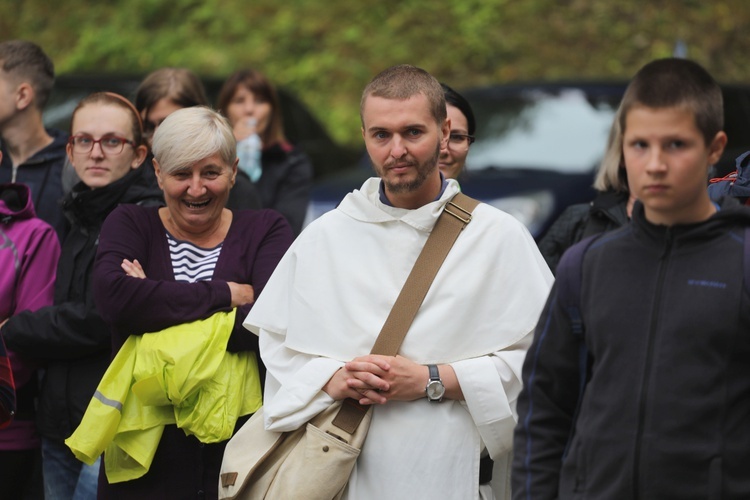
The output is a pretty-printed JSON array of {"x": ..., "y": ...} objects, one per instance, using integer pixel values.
[{"x": 563, "y": 129}]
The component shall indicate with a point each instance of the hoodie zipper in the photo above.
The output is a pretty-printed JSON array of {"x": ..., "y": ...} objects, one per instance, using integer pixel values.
[{"x": 642, "y": 404}]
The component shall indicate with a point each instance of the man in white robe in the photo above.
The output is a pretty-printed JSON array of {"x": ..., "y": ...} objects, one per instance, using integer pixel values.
[{"x": 323, "y": 308}]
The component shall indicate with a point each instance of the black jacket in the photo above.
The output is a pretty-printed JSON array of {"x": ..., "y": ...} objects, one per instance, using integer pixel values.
[
  {"x": 606, "y": 212},
  {"x": 285, "y": 183},
  {"x": 70, "y": 336},
  {"x": 665, "y": 412},
  {"x": 43, "y": 174}
]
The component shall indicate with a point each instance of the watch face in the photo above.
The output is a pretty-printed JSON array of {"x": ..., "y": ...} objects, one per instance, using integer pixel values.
[{"x": 435, "y": 390}]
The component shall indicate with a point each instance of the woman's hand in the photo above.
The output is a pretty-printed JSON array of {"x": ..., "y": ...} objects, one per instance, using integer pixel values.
[
  {"x": 133, "y": 268},
  {"x": 241, "y": 294},
  {"x": 244, "y": 128}
]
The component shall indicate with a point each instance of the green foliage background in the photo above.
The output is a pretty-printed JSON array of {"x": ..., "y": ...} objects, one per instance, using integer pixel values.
[{"x": 327, "y": 50}]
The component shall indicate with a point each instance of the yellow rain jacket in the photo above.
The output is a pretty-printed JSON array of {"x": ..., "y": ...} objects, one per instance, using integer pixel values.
[{"x": 181, "y": 375}]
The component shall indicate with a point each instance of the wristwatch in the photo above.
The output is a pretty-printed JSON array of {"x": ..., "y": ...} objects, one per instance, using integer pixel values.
[{"x": 435, "y": 389}]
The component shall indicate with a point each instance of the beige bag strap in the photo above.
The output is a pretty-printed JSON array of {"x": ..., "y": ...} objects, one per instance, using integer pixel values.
[{"x": 455, "y": 217}]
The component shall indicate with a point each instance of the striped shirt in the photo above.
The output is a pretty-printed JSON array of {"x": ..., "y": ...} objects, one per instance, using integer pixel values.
[{"x": 191, "y": 263}]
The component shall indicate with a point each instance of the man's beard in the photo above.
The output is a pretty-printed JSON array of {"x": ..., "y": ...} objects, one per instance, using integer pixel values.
[{"x": 424, "y": 170}]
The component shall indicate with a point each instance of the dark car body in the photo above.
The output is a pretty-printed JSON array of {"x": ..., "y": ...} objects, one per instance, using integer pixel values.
[
  {"x": 538, "y": 146},
  {"x": 300, "y": 126}
]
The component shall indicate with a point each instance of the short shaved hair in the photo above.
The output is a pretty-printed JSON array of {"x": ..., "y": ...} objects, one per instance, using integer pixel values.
[
  {"x": 26, "y": 62},
  {"x": 404, "y": 81}
]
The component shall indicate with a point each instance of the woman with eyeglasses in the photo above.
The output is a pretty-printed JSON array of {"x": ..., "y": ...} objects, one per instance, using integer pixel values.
[
  {"x": 106, "y": 148},
  {"x": 453, "y": 158}
]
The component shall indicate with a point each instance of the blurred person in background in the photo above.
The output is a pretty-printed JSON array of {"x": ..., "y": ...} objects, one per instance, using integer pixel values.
[
  {"x": 463, "y": 125},
  {"x": 249, "y": 101},
  {"x": 142, "y": 257},
  {"x": 107, "y": 149},
  {"x": 29, "y": 251},
  {"x": 32, "y": 154},
  {"x": 610, "y": 209}
]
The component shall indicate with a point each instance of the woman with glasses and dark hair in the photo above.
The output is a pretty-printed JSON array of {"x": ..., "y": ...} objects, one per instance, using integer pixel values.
[
  {"x": 249, "y": 101},
  {"x": 453, "y": 158},
  {"x": 106, "y": 148},
  {"x": 163, "y": 92}
]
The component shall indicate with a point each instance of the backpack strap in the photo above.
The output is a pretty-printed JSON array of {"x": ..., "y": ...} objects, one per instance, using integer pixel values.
[{"x": 569, "y": 296}]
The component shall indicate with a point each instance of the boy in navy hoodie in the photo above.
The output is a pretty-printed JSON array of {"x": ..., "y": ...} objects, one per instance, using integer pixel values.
[{"x": 650, "y": 400}]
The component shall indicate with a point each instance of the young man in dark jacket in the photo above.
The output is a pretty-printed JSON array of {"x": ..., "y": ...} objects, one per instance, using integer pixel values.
[
  {"x": 664, "y": 411},
  {"x": 32, "y": 154}
]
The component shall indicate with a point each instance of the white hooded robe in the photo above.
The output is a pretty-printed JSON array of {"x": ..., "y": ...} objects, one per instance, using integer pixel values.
[{"x": 328, "y": 299}]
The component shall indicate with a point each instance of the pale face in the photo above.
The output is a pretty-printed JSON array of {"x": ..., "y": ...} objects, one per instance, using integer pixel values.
[
  {"x": 404, "y": 142},
  {"x": 245, "y": 105},
  {"x": 667, "y": 162},
  {"x": 196, "y": 195},
  {"x": 153, "y": 117},
  {"x": 98, "y": 168},
  {"x": 453, "y": 157}
]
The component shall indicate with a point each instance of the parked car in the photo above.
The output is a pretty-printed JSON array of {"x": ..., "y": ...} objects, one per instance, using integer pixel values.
[
  {"x": 300, "y": 126},
  {"x": 538, "y": 146}
]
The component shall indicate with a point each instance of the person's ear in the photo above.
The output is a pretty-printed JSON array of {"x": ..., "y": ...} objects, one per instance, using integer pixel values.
[
  {"x": 157, "y": 171},
  {"x": 716, "y": 148},
  {"x": 140, "y": 155},
  {"x": 446, "y": 130},
  {"x": 69, "y": 152},
  {"x": 24, "y": 96}
]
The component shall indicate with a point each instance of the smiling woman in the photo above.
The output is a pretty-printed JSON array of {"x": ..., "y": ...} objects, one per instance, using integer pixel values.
[{"x": 182, "y": 263}]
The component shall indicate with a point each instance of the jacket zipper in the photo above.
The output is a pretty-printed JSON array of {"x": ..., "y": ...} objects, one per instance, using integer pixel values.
[{"x": 647, "y": 369}]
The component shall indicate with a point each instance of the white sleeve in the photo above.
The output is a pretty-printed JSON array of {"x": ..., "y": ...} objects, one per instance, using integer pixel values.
[
  {"x": 294, "y": 381},
  {"x": 491, "y": 385}
]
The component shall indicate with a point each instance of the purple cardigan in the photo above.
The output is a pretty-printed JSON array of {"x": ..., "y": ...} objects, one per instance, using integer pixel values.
[{"x": 255, "y": 242}]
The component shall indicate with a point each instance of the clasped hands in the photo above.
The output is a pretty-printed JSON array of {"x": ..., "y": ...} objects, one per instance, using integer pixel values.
[{"x": 376, "y": 379}]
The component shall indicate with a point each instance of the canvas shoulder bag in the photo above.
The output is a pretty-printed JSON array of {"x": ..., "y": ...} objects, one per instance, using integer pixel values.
[{"x": 316, "y": 460}]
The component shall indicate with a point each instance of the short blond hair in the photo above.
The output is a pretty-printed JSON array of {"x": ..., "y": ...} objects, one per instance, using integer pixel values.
[
  {"x": 405, "y": 81},
  {"x": 190, "y": 135}
]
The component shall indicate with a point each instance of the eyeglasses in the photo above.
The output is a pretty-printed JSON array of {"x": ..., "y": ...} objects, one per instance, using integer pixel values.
[
  {"x": 460, "y": 141},
  {"x": 111, "y": 144}
]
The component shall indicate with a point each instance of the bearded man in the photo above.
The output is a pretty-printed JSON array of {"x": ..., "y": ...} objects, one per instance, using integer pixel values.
[{"x": 323, "y": 308}]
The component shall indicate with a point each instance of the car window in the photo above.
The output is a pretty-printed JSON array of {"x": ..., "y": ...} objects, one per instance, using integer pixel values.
[{"x": 560, "y": 129}]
